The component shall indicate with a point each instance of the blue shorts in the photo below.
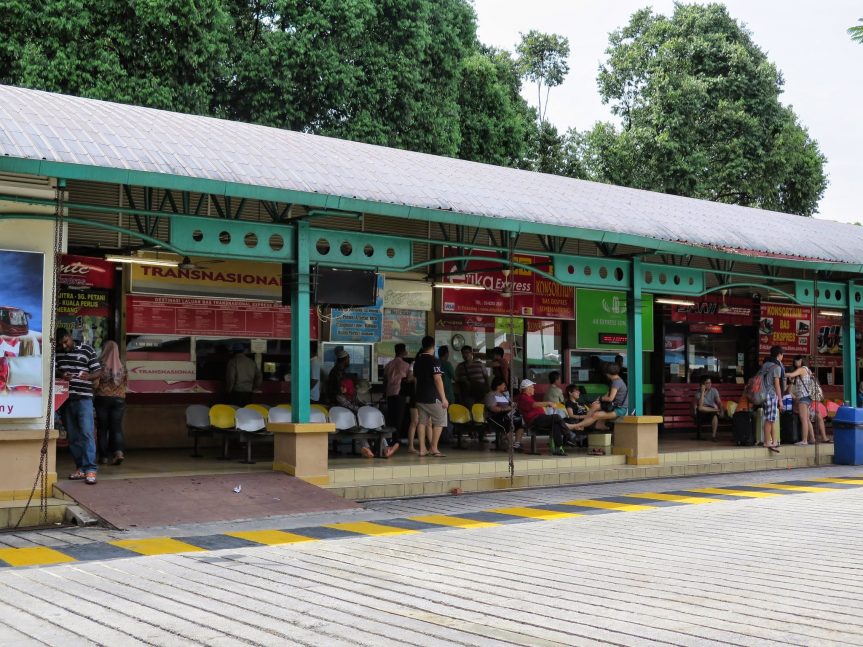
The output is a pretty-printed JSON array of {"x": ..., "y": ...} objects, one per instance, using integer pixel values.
[
  {"x": 620, "y": 411},
  {"x": 771, "y": 407},
  {"x": 807, "y": 400}
]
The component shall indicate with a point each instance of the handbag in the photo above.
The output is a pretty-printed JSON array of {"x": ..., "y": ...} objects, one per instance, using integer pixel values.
[
  {"x": 606, "y": 406},
  {"x": 817, "y": 393}
]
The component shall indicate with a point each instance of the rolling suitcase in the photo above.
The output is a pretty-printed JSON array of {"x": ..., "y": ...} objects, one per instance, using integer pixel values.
[
  {"x": 789, "y": 428},
  {"x": 743, "y": 428}
]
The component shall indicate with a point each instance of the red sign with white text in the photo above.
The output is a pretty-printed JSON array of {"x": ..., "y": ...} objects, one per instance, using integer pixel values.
[
  {"x": 85, "y": 272},
  {"x": 786, "y": 325},
  {"x": 147, "y": 315},
  {"x": 533, "y": 295},
  {"x": 715, "y": 309}
]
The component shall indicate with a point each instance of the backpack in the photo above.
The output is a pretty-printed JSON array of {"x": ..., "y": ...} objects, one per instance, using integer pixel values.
[{"x": 755, "y": 389}]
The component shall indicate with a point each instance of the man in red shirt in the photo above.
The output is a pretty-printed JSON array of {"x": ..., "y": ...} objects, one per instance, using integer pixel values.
[{"x": 534, "y": 416}]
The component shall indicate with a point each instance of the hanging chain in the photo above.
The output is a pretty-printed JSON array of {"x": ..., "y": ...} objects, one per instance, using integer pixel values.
[
  {"x": 511, "y": 281},
  {"x": 41, "y": 480}
]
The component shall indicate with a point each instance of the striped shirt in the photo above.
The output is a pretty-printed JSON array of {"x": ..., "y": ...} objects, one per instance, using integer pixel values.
[{"x": 81, "y": 359}]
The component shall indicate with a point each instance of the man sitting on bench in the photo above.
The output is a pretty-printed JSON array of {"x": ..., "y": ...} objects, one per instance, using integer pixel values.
[
  {"x": 708, "y": 406},
  {"x": 534, "y": 416},
  {"x": 347, "y": 398}
]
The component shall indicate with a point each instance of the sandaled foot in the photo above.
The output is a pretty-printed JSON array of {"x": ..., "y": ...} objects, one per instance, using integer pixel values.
[
  {"x": 437, "y": 454},
  {"x": 411, "y": 450},
  {"x": 90, "y": 478},
  {"x": 773, "y": 448},
  {"x": 392, "y": 449},
  {"x": 118, "y": 458},
  {"x": 367, "y": 453},
  {"x": 77, "y": 475}
]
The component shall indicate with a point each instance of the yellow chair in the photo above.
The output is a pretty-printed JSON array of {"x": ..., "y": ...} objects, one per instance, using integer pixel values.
[
  {"x": 477, "y": 412},
  {"x": 286, "y": 407},
  {"x": 260, "y": 408},
  {"x": 223, "y": 419},
  {"x": 461, "y": 419},
  {"x": 322, "y": 409}
]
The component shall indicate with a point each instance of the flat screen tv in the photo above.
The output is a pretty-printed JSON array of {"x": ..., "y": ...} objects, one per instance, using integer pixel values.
[{"x": 346, "y": 288}]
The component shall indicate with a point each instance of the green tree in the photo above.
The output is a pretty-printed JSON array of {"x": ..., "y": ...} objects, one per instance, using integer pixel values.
[
  {"x": 542, "y": 59},
  {"x": 494, "y": 119},
  {"x": 857, "y": 32},
  {"x": 700, "y": 116},
  {"x": 160, "y": 53}
]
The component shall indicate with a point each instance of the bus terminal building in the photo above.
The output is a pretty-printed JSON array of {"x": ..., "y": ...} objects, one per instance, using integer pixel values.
[{"x": 564, "y": 274}]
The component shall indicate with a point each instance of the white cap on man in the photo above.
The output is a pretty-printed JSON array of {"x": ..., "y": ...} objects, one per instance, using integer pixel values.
[{"x": 526, "y": 383}]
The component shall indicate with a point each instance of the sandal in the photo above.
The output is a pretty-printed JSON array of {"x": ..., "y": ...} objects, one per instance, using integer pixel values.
[
  {"x": 77, "y": 475},
  {"x": 772, "y": 448},
  {"x": 436, "y": 454}
]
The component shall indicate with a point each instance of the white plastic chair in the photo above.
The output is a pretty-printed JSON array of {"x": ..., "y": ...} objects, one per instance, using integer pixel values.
[
  {"x": 316, "y": 416},
  {"x": 280, "y": 414},
  {"x": 371, "y": 418},
  {"x": 251, "y": 424},
  {"x": 344, "y": 419},
  {"x": 198, "y": 424}
]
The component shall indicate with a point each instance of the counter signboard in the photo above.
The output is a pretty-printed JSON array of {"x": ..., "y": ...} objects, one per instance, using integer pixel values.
[
  {"x": 214, "y": 278},
  {"x": 150, "y": 315},
  {"x": 600, "y": 320},
  {"x": 533, "y": 295},
  {"x": 715, "y": 309},
  {"x": 787, "y": 325}
]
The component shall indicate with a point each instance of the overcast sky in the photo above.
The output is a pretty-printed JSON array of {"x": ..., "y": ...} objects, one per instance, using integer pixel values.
[{"x": 805, "y": 39}]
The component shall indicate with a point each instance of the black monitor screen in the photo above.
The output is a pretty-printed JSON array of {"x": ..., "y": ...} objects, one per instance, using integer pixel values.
[{"x": 336, "y": 287}]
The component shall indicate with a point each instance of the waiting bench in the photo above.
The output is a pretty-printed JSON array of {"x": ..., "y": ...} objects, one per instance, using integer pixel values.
[{"x": 678, "y": 410}]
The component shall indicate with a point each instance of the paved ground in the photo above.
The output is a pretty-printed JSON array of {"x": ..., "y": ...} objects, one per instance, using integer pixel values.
[{"x": 774, "y": 565}]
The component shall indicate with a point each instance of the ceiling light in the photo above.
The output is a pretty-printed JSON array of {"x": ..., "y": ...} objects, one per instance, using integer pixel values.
[
  {"x": 458, "y": 286},
  {"x": 141, "y": 260},
  {"x": 675, "y": 302},
  {"x": 830, "y": 313}
]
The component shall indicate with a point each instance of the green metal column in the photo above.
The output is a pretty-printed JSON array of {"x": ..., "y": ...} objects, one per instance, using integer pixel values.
[
  {"x": 849, "y": 350},
  {"x": 634, "y": 341},
  {"x": 300, "y": 328}
]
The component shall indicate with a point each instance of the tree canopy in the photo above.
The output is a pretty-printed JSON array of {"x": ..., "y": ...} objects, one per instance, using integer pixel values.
[
  {"x": 700, "y": 116},
  {"x": 857, "y": 32}
]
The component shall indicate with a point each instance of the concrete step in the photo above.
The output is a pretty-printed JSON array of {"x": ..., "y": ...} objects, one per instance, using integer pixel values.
[
  {"x": 11, "y": 511},
  {"x": 427, "y": 480}
]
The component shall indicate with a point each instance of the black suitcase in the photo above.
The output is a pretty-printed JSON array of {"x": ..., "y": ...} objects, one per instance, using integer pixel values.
[
  {"x": 743, "y": 428},
  {"x": 789, "y": 428}
]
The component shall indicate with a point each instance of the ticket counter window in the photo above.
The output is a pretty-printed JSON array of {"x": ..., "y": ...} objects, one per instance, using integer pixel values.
[
  {"x": 543, "y": 349},
  {"x": 715, "y": 356}
]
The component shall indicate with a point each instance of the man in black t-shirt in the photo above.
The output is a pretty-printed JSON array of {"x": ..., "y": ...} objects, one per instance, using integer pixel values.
[{"x": 430, "y": 396}]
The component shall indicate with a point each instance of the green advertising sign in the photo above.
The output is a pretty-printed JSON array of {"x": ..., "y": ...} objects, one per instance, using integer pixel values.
[{"x": 600, "y": 320}]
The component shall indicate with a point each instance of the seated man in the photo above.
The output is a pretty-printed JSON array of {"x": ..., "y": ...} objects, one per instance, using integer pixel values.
[
  {"x": 533, "y": 414},
  {"x": 347, "y": 399},
  {"x": 708, "y": 406},
  {"x": 499, "y": 412}
]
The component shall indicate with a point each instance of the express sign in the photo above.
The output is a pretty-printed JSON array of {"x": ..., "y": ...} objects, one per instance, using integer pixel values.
[{"x": 84, "y": 272}]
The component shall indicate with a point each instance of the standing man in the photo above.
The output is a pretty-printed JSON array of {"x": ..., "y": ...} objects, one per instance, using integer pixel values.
[
  {"x": 315, "y": 370},
  {"x": 430, "y": 396},
  {"x": 500, "y": 365},
  {"x": 448, "y": 382},
  {"x": 242, "y": 377},
  {"x": 471, "y": 379},
  {"x": 79, "y": 365},
  {"x": 708, "y": 406},
  {"x": 394, "y": 372},
  {"x": 772, "y": 374}
]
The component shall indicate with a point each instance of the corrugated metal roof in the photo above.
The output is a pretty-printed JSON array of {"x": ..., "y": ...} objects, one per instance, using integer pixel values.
[{"x": 40, "y": 125}]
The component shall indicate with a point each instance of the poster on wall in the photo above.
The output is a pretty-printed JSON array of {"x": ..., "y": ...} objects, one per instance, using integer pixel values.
[
  {"x": 21, "y": 377},
  {"x": 533, "y": 295},
  {"x": 600, "y": 320},
  {"x": 828, "y": 338},
  {"x": 401, "y": 326},
  {"x": 359, "y": 324},
  {"x": 83, "y": 300},
  {"x": 408, "y": 295},
  {"x": 786, "y": 325}
]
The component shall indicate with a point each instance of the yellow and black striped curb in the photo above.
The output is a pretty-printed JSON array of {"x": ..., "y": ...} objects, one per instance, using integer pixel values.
[{"x": 633, "y": 502}]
